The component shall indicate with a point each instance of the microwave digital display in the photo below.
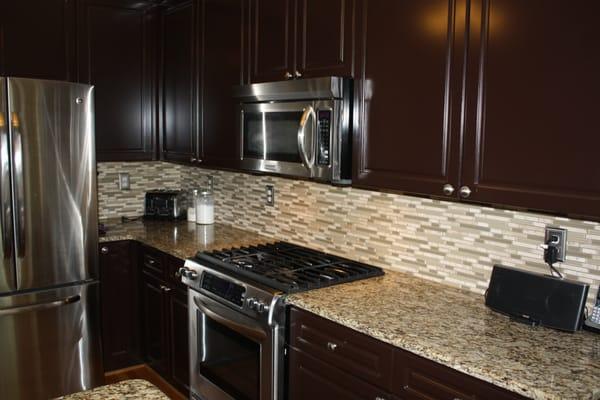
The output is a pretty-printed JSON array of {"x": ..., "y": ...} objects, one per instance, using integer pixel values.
[{"x": 324, "y": 136}]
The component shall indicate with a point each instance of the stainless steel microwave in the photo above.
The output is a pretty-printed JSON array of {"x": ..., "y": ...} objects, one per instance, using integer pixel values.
[{"x": 297, "y": 128}]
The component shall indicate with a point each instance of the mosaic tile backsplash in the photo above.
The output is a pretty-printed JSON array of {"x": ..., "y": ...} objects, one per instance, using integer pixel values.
[{"x": 447, "y": 242}]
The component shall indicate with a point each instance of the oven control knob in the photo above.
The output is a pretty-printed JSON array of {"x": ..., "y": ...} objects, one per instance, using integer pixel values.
[
  {"x": 252, "y": 303},
  {"x": 261, "y": 307}
]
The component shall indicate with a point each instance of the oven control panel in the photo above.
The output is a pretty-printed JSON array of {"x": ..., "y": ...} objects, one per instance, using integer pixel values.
[{"x": 224, "y": 289}]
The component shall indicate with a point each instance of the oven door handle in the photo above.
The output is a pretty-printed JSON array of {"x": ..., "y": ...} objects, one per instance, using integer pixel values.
[
  {"x": 244, "y": 329},
  {"x": 309, "y": 161}
]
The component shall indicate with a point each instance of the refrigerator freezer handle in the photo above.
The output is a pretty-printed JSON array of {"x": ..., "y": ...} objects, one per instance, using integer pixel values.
[
  {"x": 5, "y": 199},
  {"x": 39, "y": 306},
  {"x": 19, "y": 202}
]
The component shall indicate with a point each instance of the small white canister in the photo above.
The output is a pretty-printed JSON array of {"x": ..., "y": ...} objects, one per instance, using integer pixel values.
[{"x": 205, "y": 207}]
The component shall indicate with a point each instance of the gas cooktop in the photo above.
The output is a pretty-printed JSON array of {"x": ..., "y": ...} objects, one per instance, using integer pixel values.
[{"x": 288, "y": 267}]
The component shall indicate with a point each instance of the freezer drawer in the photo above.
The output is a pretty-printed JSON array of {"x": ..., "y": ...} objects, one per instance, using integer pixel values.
[{"x": 50, "y": 343}]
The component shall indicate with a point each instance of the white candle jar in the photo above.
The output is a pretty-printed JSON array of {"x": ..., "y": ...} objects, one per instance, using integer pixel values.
[{"x": 205, "y": 207}]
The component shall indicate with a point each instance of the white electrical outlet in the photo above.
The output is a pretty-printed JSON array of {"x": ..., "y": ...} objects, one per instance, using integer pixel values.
[
  {"x": 124, "y": 181},
  {"x": 270, "y": 195}
]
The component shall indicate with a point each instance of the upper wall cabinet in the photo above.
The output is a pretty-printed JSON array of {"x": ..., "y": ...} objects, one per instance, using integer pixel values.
[
  {"x": 513, "y": 123},
  {"x": 301, "y": 38},
  {"x": 37, "y": 39},
  {"x": 533, "y": 132},
  {"x": 221, "y": 60},
  {"x": 179, "y": 128},
  {"x": 117, "y": 54},
  {"x": 408, "y": 80}
]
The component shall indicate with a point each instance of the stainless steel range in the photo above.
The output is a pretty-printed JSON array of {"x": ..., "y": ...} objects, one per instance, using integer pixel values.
[{"x": 238, "y": 318}]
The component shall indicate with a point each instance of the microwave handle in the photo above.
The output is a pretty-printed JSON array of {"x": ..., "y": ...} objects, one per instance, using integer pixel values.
[{"x": 309, "y": 112}]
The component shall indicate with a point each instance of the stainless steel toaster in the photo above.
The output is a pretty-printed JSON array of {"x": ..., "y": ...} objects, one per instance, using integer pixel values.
[{"x": 164, "y": 204}]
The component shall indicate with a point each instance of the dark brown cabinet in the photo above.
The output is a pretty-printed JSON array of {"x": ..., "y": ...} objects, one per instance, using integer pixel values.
[
  {"x": 301, "y": 38},
  {"x": 179, "y": 126},
  {"x": 117, "y": 53},
  {"x": 120, "y": 316},
  {"x": 37, "y": 39},
  {"x": 221, "y": 56},
  {"x": 502, "y": 114},
  {"x": 327, "y": 360},
  {"x": 407, "y": 95},
  {"x": 165, "y": 317},
  {"x": 533, "y": 93}
]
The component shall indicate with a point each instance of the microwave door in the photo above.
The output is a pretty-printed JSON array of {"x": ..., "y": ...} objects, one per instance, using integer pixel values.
[{"x": 270, "y": 138}]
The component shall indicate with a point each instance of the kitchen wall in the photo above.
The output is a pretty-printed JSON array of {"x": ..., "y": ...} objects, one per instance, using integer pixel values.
[{"x": 448, "y": 242}]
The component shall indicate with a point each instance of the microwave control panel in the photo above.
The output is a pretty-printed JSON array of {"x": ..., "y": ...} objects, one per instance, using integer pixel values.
[{"x": 324, "y": 136}]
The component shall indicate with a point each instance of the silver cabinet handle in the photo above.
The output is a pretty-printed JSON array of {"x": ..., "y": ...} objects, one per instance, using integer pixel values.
[
  {"x": 448, "y": 189},
  {"x": 104, "y": 250},
  {"x": 193, "y": 159},
  {"x": 465, "y": 192},
  {"x": 297, "y": 74},
  {"x": 331, "y": 346},
  {"x": 165, "y": 289},
  {"x": 309, "y": 112},
  {"x": 40, "y": 306},
  {"x": 151, "y": 261},
  {"x": 288, "y": 75}
]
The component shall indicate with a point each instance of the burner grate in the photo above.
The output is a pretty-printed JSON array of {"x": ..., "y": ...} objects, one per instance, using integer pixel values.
[{"x": 290, "y": 268}]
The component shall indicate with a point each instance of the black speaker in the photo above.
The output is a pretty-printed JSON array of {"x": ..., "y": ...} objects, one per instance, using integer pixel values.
[{"x": 537, "y": 299}]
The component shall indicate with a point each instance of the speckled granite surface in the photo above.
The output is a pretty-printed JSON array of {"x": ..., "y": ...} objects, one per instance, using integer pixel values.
[
  {"x": 455, "y": 328},
  {"x": 133, "y": 389},
  {"x": 182, "y": 239}
]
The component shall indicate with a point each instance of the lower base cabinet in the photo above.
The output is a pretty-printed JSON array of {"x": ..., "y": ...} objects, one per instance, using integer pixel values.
[
  {"x": 165, "y": 318},
  {"x": 327, "y": 360}
]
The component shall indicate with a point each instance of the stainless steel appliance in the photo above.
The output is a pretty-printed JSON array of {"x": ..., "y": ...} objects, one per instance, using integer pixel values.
[
  {"x": 299, "y": 128},
  {"x": 164, "y": 204},
  {"x": 237, "y": 314},
  {"x": 49, "y": 314}
]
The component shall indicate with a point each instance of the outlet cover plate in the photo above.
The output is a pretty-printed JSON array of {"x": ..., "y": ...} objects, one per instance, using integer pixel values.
[
  {"x": 561, "y": 234},
  {"x": 270, "y": 195},
  {"x": 124, "y": 181}
]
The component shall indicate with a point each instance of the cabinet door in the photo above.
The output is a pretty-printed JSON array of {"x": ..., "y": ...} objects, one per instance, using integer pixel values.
[
  {"x": 179, "y": 135},
  {"x": 272, "y": 30},
  {"x": 117, "y": 54},
  {"x": 409, "y": 95},
  {"x": 119, "y": 304},
  {"x": 325, "y": 38},
  {"x": 179, "y": 330},
  {"x": 37, "y": 39},
  {"x": 154, "y": 314},
  {"x": 311, "y": 379},
  {"x": 534, "y": 93},
  {"x": 221, "y": 59}
]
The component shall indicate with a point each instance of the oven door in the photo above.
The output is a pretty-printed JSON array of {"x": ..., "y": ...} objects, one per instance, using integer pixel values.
[
  {"x": 279, "y": 137},
  {"x": 231, "y": 354}
]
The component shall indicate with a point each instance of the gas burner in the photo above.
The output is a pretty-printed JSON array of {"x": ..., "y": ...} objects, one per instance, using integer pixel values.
[{"x": 288, "y": 267}]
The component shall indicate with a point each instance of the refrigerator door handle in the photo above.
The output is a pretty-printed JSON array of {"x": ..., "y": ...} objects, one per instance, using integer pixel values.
[
  {"x": 39, "y": 306},
  {"x": 18, "y": 181},
  {"x": 5, "y": 198}
]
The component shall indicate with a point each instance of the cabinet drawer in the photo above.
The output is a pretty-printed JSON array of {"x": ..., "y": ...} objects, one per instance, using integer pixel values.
[
  {"x": 153, "y": 262},
  {"x": 350, "y": 351},
  {"x": 416, "y": 378}
]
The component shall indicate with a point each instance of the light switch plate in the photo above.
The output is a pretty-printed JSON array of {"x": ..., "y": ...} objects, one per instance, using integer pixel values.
[
  {"x": 124, "y": 182},
  {"x": 560, "y": 236},
  {"x": 211, "y": 183}
]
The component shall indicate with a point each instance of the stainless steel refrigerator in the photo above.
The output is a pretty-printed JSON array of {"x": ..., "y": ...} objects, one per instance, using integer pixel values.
[{"x": 49, "y": 311}]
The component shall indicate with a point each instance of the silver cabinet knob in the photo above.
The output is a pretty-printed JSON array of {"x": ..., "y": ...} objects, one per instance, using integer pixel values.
[
  {"x": 465, "y": 192},
  {"x": 297, "y": 74},
  {"x": 379, "y": 398},
  {"x": 288, "y": 75},
  {"x": 448, "y": 189},
  {"x": 331, "y": 346},
  {"x": 104, "y": 250},
  {"x": 193, "y": 159}
]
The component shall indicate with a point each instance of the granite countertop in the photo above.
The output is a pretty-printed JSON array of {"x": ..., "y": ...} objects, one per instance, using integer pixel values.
[
  {"x": 454, "y": 328},
  {"x": 180, "y": 238},
  {"x": 133, "y": 389}
]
